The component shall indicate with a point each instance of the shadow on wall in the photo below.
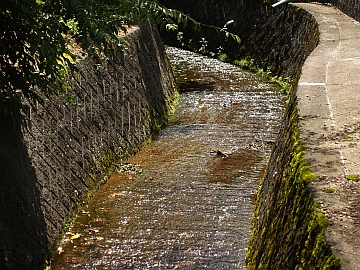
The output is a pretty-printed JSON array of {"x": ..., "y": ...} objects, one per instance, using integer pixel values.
[
  {"x": 159, "y": 100},
  {"x": 268, "y": 35},
  {"x": 49, "y": 167},
  {"x": 21, "y": 219}
]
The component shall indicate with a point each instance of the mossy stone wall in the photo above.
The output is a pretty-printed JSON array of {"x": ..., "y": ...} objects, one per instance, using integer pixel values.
[
  {"x": 288, "y": 231},
  {"x": 276, "y": 39},
  {"x": 349, "y": 7},
  {"x": 50, "y": 165}
]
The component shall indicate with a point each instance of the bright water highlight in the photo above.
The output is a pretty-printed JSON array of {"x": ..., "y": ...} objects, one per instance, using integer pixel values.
[{"x": 187, "y": 207}]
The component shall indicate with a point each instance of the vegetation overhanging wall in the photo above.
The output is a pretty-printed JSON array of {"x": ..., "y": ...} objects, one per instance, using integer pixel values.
[
  {"x": 50, "y": 165},
  {"x": 276, "y": 40},
  {"x": 38, "y": 192}
]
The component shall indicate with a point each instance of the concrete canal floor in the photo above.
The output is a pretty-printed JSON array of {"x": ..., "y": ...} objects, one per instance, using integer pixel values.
[
  {"x": 329, "y": 106},
  {"x": 178, "y": 203},
  {"x": 182, "y": 216}
]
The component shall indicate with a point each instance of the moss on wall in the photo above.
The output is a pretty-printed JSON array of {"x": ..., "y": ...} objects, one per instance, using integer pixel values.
[{"x": 288, "y": 231}]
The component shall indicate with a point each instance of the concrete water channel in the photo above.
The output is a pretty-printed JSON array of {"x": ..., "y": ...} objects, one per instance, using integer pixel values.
[{"x": 185, "y": 202}]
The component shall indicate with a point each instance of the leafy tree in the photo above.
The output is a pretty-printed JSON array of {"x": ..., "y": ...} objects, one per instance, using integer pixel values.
[{"x": 34, "y": 38}]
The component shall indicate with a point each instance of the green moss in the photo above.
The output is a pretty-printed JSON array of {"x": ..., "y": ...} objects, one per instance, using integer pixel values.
[
  {"x": 287, "y": 229},
  {"x": 249, "y": 64},
  {"x": 353, "y": 177},
  {"x": 329, "y": 190}
]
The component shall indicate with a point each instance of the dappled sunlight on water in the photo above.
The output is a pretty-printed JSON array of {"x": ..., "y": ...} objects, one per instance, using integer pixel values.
[{"x": 188, "y": 207}]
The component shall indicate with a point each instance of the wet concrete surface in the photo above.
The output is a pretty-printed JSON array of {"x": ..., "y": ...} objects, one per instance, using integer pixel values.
[{"x": 184, "y": 201}]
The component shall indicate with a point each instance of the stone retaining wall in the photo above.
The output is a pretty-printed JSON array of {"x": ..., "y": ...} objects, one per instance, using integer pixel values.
[
  {"x": 278, "y": 40},
  {"x": 288, "y": 232},
  {"x": 50, "y": 166},
  {"x": 350, "y": 7}
]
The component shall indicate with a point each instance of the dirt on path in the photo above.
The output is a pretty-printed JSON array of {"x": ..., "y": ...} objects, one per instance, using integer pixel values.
[{"x": 329, "y": 98}]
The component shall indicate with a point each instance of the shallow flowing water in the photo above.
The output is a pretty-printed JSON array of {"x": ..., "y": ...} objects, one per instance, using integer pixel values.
[{"x": 188, "y": 206}]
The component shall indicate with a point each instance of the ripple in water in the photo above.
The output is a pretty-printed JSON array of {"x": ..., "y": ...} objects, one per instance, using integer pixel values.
[{"x": 190, "y": 207}]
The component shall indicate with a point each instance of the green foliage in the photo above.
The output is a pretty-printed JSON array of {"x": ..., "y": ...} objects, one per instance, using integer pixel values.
[
  {"x": 222, "y": 57},
  {"x": 245, "y": 64},
  {"x": 31, "y": 53},
  {"x": 203, "y": 46},
  {"x": 35, "y": 59},
  {"x": 36, "y": 36},
  {"x": 169, "y": 19},
  {"x": 284, "y": 83}
]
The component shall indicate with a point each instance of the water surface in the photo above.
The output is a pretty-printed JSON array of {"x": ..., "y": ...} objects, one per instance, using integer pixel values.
[{"x": 190, "y": 206}]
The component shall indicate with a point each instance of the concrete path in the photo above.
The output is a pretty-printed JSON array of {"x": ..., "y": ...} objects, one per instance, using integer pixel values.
[{"x": 329, "y": 108}]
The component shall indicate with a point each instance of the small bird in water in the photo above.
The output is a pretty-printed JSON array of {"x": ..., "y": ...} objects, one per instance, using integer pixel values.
[{"x": 221, "y": 154}]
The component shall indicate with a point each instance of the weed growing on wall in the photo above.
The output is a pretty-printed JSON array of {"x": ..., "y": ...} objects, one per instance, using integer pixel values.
[
  {"x": 284, "y": 83},
  {"x": 288, "y": 230}
]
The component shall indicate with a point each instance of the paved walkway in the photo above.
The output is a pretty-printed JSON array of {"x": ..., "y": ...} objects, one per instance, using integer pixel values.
[{"x": 329, "y": 106}]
